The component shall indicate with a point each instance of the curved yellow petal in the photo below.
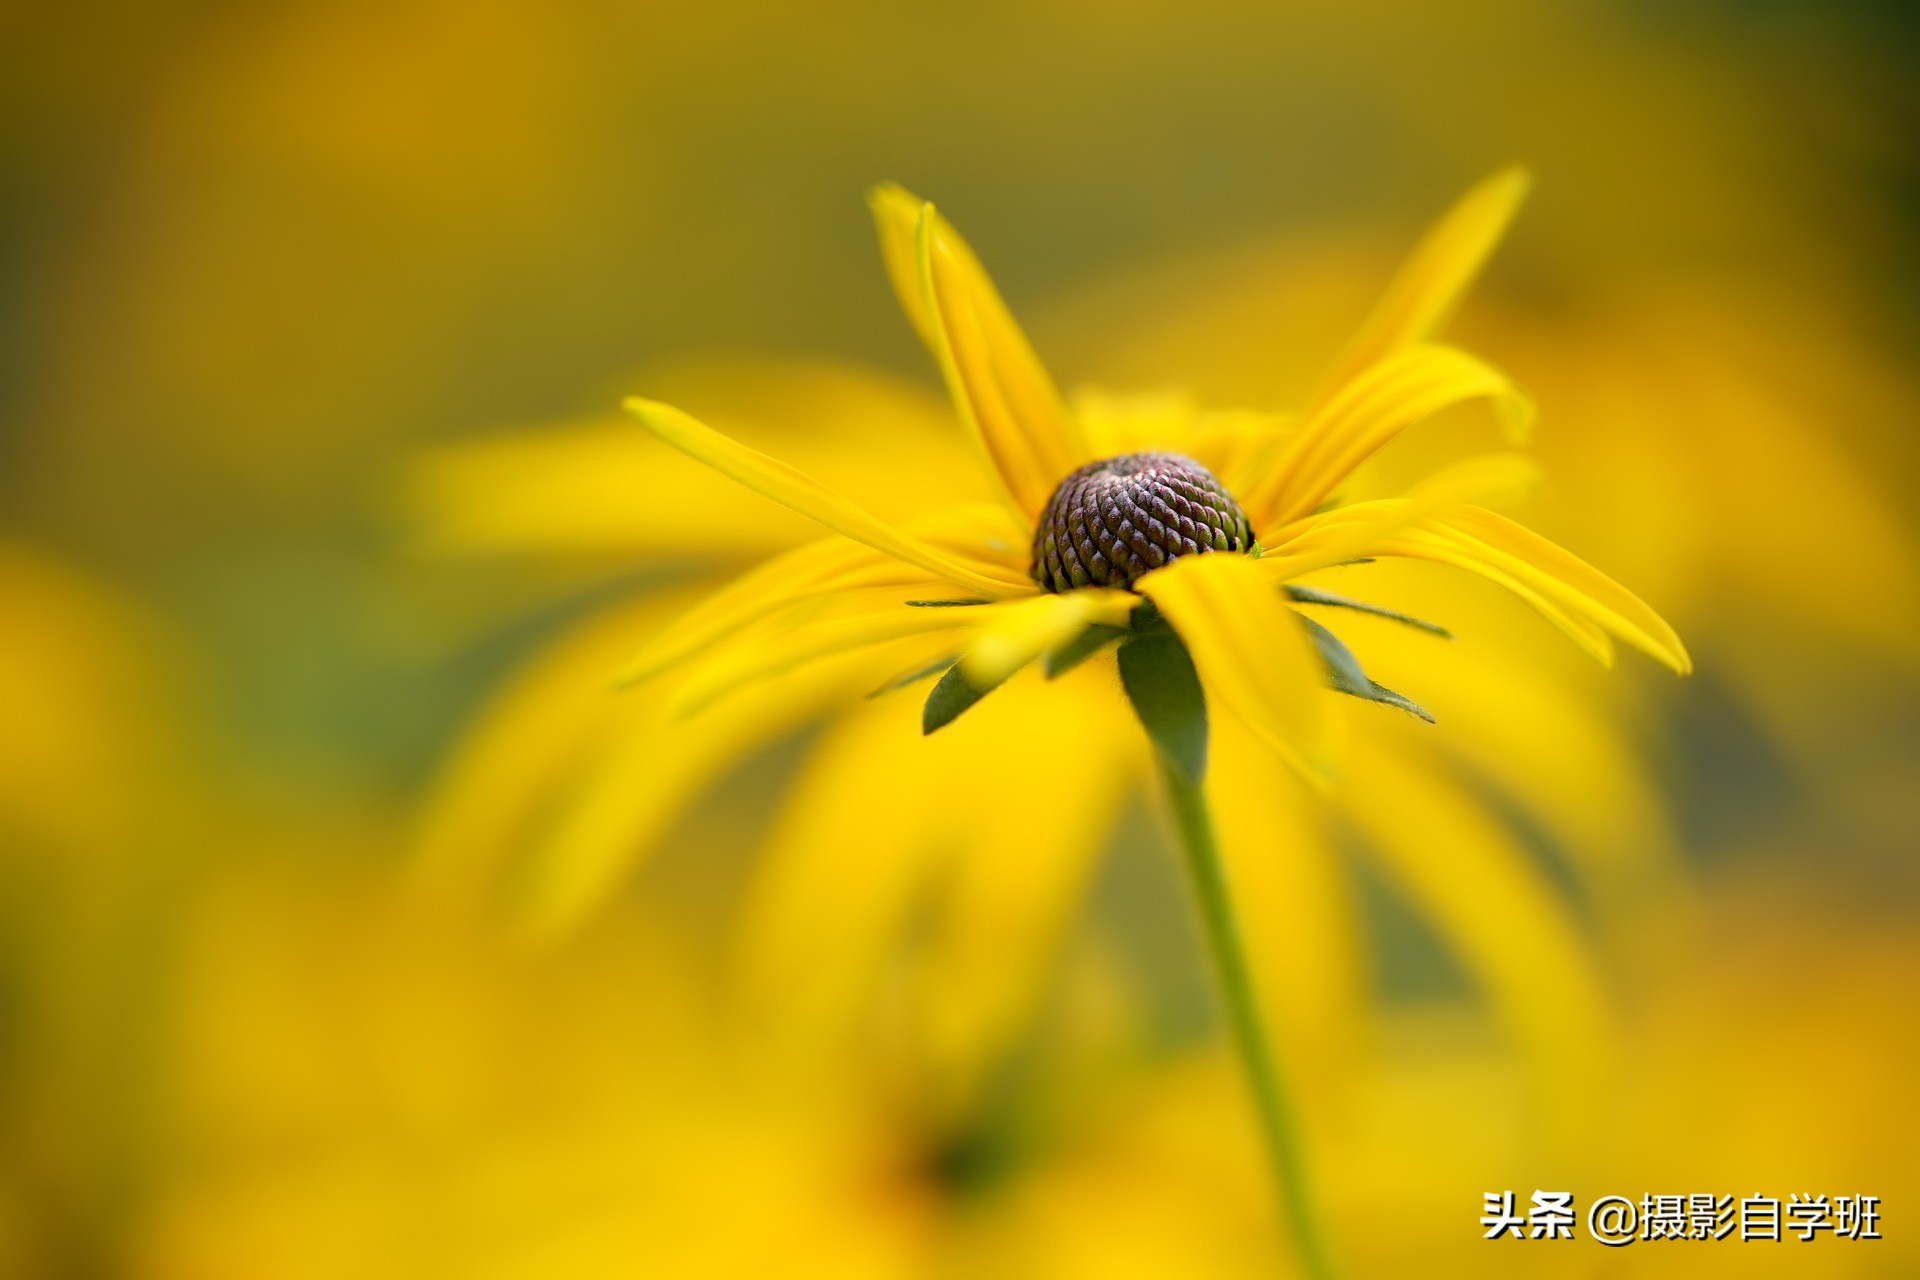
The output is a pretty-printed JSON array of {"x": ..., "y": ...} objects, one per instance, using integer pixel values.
[
  {"x": 896, "y": 217},
  {"x": 999, "y": 387},
  {"x": 1401, "y": 389},
  {"x": 782, "y": 483},
  {"x": 1350, "y": 532},
  {"x": 1422, "y": 544},
  {"x": 1022, "y": 632},
  {"x": 1555, "y": 581},
  {"x": 1435, "y": 277},
  {"x": 1571, "y": 579},
  {"x": 1251, "y": 652},
  {"x": 756, "y": 659},
  {"x": 786, "y": 580}
]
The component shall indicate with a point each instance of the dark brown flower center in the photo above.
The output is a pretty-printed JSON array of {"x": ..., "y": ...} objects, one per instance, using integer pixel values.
[{"x": 1114, "y": 520}]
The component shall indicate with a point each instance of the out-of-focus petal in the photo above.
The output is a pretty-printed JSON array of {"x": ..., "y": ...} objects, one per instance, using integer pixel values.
[
  {"x": 1479, "y": 888},
  {"x": 843, "y": 629},
  {"x": 877, "y": 879},
  {"x": 522, "y": 745},
  {"x": 650, "y": 768},
  {"x": 1295, "y": 906},
  {"x": 1252, "y": 655},
  {"x": 1432, "y": 281},
  {"x": 1022, "y": 866},
  {"x": 801, "y": 574},
  {"x": 999, "y": 387},
  {"x": 780, "y": 482},
  {"x": 1403, "y": 388},
  {"x": 596, "y": 489},
  {"x": 1022, "y": 632}
]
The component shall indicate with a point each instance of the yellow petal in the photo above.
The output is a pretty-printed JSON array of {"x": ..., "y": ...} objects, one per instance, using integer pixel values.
[
  {"x": 522, "y": 747},
  {"x": 1299, "y": 918},
  {"x": 959, "y": 909},
  {"x": 1468, "y": 876},
  {"x": 759, "y": 658},
  {"x": 783, "y": 581},
  {"x": 791, "y": 488},
  {"x": 1425, "y": 544},
  {"x": 1351, "y": 532},
  {"x": 1431, "y": 283},
  {"x": 574, "y": 490},
  {"x": 896, "y": 216},
  {"x": 641, "y": 778},
  {"x": 999, "y": 387},
  {"x": 1253, "y": 657},
  {"x": 830, "y": 898},
  {"x": 1399, "y": 391},
  {"x": 1022, "y": 632},
  {"x": 1022, "y": 865},
  {"x": 1592, "y": 793},
  {"x": 1552, "y": 579}
]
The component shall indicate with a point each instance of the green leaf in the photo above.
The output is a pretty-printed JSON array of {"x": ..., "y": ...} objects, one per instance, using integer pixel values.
[
  {"x": 1344, "y": 673},
  {"x": 951, "y": 696},
  {"x": 1158, "y": 675},
  {"x": 1313, "y": 595},
  {"x": 1065, "y": 657}
]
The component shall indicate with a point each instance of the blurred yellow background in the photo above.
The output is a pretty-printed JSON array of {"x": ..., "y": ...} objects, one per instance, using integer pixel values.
[{"x": 283, "y": 286}]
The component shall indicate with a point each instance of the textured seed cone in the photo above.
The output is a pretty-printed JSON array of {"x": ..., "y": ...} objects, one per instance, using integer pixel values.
[{"x": 1112, "y": 521}]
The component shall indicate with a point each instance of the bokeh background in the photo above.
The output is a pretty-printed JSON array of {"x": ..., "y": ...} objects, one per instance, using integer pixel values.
[{"x": 268, "y": 273}]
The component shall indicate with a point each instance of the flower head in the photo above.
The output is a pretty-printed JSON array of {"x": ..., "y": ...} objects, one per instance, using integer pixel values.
[
  {"x": 1205, "y": 532},
  {"x": 565, "y": 791},
  {"x": 1112, "y": 522}
]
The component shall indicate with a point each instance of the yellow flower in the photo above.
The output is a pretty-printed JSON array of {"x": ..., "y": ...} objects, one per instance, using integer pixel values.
[
  {"x": 1056, "y": 567},
  {"x": 575, "y": 787}
]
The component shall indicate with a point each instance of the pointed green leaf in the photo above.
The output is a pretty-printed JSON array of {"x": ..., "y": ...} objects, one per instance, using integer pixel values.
[
  {"x": 951, "y": 696},
  {"x": 1344, "y": 673},
  {"x": 1158, "y": 675},
  {"x": 1313, "y": 595},
  {"x": 1065, "y": 657}
]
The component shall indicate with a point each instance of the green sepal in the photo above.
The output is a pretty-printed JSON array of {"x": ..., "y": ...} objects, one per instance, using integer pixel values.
[
  {"x": 1145, "y": 617},
  {"x": 949, "y": 698},
  {"x": 1345, "y": 676},
  {"x": 1313, "y": 595},
  {"x": 1158, "y": 675},
  {"x": 963, "y": 602},
  {"x": 1063, "y": 658}
]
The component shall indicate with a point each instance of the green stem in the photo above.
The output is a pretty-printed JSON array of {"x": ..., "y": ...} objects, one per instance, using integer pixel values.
[{"x": 1250, "y": 1038}]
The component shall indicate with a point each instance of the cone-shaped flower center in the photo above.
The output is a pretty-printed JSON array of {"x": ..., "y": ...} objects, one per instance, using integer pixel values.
[{"x": 1114, "y": 520}]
